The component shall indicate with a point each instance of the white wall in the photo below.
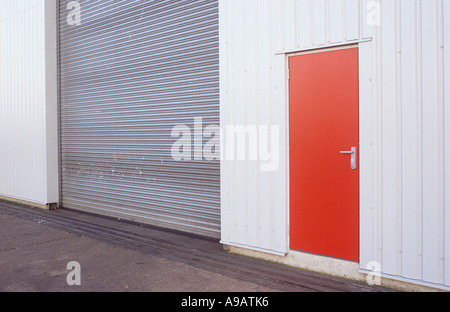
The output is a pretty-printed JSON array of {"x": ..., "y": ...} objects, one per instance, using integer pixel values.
[
  {"x": 28, "y": 101},
  {"x": 404, "y": 66},
  {"x": 405, "y": 216}
]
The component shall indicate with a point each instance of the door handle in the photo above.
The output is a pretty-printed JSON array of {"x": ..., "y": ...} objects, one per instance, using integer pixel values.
[{"x": 353, "y": 159}]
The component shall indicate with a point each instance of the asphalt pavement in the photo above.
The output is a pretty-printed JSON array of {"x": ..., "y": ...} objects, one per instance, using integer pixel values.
[{"x": 70, "y": 251}]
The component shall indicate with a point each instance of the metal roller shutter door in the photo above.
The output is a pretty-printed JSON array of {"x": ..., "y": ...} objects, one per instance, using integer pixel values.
[{"x": 129, "y": 74}]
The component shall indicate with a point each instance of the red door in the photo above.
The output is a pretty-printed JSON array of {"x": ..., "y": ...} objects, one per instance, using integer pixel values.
[{"x": 324, "y": 146}]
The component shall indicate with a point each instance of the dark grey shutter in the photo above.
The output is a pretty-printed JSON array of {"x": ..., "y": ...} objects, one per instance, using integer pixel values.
[{"x": 129, "y": 74}]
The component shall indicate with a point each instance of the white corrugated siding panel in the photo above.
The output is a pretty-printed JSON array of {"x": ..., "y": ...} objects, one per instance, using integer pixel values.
[
  {"x": 22, "y": 100},
  {"x": 406, "y": 225},
  {"x": 446, "y": 21},
  {"x": 405, "y": 217},
  {"x": 253, "y": 92}
]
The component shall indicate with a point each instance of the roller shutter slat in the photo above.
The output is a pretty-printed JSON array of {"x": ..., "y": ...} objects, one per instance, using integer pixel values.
[{"x": 131, "y": 72}]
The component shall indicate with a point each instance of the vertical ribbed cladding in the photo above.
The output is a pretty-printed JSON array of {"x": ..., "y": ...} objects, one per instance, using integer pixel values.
[
  {"x": 130, "y": 73},
  {"x": 23, "y": 79},
  {"x": 404, "y": 130},
  {"x": 256, "y": 37}
]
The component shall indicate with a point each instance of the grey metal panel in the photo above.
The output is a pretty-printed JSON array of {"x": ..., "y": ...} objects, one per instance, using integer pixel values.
[{"x": 131, "y": 72}]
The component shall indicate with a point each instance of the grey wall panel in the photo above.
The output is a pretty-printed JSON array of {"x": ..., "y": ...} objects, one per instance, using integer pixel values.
[{"x": 131, "y": 72}]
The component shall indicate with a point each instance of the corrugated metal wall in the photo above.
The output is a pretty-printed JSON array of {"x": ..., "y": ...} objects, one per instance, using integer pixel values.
[
  {"x": 408, "y": 222},
  {"x": 131, "y": 72},
  {"x": 255, "y": 37},
  {"x": 23, "y": 151},
  {"x": 404, "y": 66}
]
